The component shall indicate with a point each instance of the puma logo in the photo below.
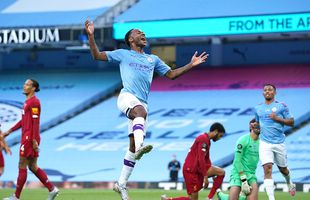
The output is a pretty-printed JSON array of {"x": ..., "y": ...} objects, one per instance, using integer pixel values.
[{"x": 241, "y": 53}]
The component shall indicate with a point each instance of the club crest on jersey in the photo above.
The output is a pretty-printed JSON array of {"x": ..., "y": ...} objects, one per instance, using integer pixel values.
[
  {"x": 274, "y": 109},
  {"x": 204, "y": 147},
  {"x": 239, "y": 146},
  {"x": 35, "y": 111},
  {"x": 149, "y": 59}
]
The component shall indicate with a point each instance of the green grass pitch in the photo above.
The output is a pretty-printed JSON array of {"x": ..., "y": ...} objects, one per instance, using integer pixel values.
[{"x": 135, "y": 194}]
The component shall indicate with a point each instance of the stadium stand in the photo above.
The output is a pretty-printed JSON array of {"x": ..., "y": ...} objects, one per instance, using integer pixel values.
[
  {"x": 63, "y": 94},
  {"x": 84, "y": 136},
  {"x": 22, "y": 13},
  {"x": 96, "y": 139}
]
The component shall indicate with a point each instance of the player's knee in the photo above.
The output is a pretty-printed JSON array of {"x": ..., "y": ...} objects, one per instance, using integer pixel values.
[
  {"x": 267, "y": 168},
  {"x": 132, "y": 149},
  {"x": 33, "y": 168},
  {"x": 139, "y": 111},
  {"x": 194, "y": 196},
  {"x": 22, "y": 165},
  {"x": 222, "y": 172}
]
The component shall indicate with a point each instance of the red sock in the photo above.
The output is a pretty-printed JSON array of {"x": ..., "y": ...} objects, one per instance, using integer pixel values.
[
  {"x": 43, "y": 178},
  {"x": 21, "y": 179},
  {"x": 217, "y": 182},
  {"x": 179, "y": 198}
]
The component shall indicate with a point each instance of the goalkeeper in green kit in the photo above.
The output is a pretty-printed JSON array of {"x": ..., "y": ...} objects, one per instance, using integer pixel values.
[{"x": 243, "y": 181}]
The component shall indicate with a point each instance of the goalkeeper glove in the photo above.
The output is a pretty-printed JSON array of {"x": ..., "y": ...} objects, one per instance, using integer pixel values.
[{"x": 245, "y": 188}]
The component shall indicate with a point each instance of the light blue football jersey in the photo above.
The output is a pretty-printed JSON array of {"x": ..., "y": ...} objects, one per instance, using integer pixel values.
[
  {"x": 137, "y": 70},
  {"x": 270, "y": 130}
]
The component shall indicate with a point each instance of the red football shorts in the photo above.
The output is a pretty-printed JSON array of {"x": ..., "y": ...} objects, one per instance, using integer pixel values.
[
  {"x": 1, "y": 159},
  {"x": 27, "y": 151},
  {"x": 193, "y": 181}
]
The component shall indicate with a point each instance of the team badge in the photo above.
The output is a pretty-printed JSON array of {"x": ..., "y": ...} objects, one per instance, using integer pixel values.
[
  {"x": 274, "y": 109},
  {"x": 149, "y": 59},
  {"x": 204, "y": 147},
  {"x": 35, "y": 111},
  {"x": 239, "y": 146}
]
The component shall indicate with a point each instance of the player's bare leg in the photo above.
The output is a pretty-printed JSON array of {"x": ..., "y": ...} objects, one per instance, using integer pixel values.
[
  {"x": 194, "y": 196},
  {"x": 218, "y": 175},
  {"x": 286, "y": 174},
  {"x": 254, "y": 192},
  {"x": 234, "y": 192},
  {"x": 268, "y": 181}
]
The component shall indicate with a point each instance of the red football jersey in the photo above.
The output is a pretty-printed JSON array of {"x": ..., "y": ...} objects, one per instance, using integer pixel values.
[
  {"x": 1, "y": 159},
  {"x": 198, "y": 157},
  {"x": 30, "y": 122}
]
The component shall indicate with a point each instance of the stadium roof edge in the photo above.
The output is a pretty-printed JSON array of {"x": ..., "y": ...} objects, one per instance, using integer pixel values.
[
  {"x": 49, "y": 13},
  {"x": 107, "y": 18}
]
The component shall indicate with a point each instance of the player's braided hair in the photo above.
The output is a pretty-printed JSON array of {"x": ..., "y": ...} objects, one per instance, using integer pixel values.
[{"x": 127, "y": 37}]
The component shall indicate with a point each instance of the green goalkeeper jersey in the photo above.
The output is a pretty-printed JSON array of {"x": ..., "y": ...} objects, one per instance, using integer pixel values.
[{"x": 246, "y": 155}]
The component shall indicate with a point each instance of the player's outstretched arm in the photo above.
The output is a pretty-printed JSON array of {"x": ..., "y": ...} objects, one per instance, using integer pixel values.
[
  {"x": 89, "y": 27},
  {"x": 196, "y": 60}
]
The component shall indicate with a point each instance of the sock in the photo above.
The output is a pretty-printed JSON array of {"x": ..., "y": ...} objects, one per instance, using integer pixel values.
[
  {"x": 269, "y": 187},
  {"x": 179, "y": 198},
  {"x": 223, "y": 196},
  {"x": 21, "y": 179},
  {"x": 242, "y": 197},
  {"x": 217, "y": 182},
  {"x": 129, "y": 164},
  {"x": 44, "y": 180},
  {"x": 288, "y": 178},
  {"x": 138, "y": 131}
]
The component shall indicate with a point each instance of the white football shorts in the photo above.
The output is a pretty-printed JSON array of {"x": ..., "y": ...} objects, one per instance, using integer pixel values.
[
  {"x": 272, "y": 153},
  {"x": 127, "y": 101}
]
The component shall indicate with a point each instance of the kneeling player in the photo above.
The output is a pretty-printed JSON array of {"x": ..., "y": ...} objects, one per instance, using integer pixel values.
[
  {"x": 198, "y": 168},
  {"x": 243, "y": 179}
]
